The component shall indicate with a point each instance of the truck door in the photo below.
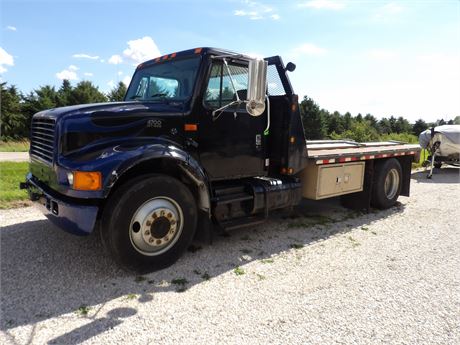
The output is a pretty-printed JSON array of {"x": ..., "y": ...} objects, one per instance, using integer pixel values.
[{"x": 231, "y": 142}]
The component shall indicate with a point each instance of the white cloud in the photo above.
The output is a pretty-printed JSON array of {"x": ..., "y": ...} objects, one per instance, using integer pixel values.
[
  {"x": 141, "y": 50},
  {"x": 392, "y": 8},
  {"x": 111, "y": 84},
  {"x": 88, "y": 74},
  {"x": 102, "y": 60},
  {"x": 308, "y": 49},
  {"x": 120, "y": 73},
  {"x": 85, "y": 56},
  {"x": 388, "y": 11},
  {"x": 115, "y": 59},
  {"x": 256, "y": 10},
  {"x": 126, "y": 80},
  {"x": 254, "y": 55},
  {"x": 5, "y": 59},
  {"x": 324, "y": 5},
  {"x": 382, "y": 54},
  {"x": 68, "y": 73},
  {"x": 412, "y": 85},
  {"x": 11, "y": 28}
]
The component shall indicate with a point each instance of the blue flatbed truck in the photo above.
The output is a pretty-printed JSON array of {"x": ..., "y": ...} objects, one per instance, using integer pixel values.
[{"x": 205, "y": 140}]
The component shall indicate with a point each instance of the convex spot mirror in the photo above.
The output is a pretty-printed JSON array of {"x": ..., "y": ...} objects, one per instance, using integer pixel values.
[{"x": 257, "y": 87}]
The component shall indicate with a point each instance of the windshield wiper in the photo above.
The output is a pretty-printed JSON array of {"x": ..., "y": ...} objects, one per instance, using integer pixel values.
[
  {"x": 135, "y": 97},
  {"x": 159, "y": 95}
]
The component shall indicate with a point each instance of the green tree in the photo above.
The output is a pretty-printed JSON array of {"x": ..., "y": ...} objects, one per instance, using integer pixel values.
[
  {"x": 347, "y": 121},
  {"x": 335, "y": 123},
  {"x": 385, "y": 126},
  {"x": 372, "y": 121},
  {"x": 85, "y": 92},
  {"x": 13, "y": 122},
  {"x": 45, "y": 97},
  {"x": 359, "y": 131},
  {"x": 117, "y": 94},
  {"x": 457, "y": 120},
  {"x": 419, "y": 126},
  {"x": 64, "y": 93},
  {"x": 313, "y": 121},
  {"x": 402, "y": 126}
]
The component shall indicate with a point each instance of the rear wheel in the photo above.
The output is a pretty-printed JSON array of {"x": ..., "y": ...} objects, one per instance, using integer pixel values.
[
  {"x": 149, "y": 222},
  {"x": 387, "y": 183}
]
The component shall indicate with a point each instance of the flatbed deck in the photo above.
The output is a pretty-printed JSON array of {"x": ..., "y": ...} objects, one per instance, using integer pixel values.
[{"x": 327, "y": 152}]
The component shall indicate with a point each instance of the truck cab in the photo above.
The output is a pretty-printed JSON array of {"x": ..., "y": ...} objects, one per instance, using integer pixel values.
[{"x": 205, "y": 139}]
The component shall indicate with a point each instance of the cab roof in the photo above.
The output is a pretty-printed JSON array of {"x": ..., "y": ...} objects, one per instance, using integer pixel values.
[{"x": 188, "y": 52}]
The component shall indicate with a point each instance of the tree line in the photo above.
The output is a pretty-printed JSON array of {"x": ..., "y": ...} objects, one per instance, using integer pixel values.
[
  {"x": 18, "y": 108},
  {"x": 322, "y": 124}
]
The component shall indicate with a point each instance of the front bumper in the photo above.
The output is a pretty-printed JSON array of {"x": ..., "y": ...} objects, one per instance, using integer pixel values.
[{"x": 70, "y": 215}]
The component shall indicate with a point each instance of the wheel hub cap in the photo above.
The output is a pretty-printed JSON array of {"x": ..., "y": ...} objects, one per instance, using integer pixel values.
[{"x": 156, "y": 226}]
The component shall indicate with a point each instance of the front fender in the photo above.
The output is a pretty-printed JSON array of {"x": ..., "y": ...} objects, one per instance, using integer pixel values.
[{"x": 114, "y": 162}]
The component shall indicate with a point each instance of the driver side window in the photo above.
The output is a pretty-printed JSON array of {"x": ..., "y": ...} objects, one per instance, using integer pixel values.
[{"x": 220, "y": 90}]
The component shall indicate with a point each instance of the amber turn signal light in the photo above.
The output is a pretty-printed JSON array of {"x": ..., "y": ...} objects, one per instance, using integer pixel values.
[{"x": 87, "y": 180}]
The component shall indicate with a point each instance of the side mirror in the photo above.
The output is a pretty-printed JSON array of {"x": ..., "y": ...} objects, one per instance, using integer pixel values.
[
  {"x": 290, "y": 67},
  {"x": 257, "y": 87}
]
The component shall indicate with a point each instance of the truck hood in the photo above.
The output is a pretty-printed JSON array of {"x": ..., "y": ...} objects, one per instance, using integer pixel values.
[{"x": 113, "y": 108}]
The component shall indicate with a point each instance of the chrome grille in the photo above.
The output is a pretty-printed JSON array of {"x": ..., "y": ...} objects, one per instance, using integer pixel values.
[{"x": 42, "y": 138}]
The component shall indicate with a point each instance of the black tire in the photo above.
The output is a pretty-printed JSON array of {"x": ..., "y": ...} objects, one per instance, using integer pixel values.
[
  {"x": 118, "y": 232},
  {"x": 382, "y": 197}
]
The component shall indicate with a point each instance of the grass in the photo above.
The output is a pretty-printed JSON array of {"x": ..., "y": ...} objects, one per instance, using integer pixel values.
[
  {"x": 354, "y": 242},
  {"x": 296, "y": 246},
  {"x": 239, "y": 271},
  {"x": 83, "y": 310},
  {"x": 139, "y": 279},
  {"x": 131, "y": 296},
  {"x": 11, "y": 173},
  {"x": 179, "y": 281},
  {"x": 14, "y": 146},
  {"x": 267, "y": 261},
  {"x": 423, "y": 157}
]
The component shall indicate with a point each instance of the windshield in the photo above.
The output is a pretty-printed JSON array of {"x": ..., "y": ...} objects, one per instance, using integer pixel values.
[{"x": 171, "y": 80}]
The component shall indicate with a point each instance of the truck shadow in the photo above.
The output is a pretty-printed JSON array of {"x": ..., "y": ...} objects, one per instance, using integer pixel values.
[
  {"x": 447, "y": 174},
  {"x": 46, "y": 273}
]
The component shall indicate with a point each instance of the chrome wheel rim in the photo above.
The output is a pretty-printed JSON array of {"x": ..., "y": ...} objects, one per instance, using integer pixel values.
[
  {"x": 391, "y": 183},
  {"x": 156, "y": 226}
]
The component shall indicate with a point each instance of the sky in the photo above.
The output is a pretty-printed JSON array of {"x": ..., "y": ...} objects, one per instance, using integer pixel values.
[{"x": 387, "y": 58}]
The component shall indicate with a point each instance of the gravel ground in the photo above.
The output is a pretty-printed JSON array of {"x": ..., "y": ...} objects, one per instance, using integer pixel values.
[
  {"x": 14, "y": 156},
  {"x": 330, "y": 276}
]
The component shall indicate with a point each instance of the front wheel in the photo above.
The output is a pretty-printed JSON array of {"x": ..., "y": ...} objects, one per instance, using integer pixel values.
[
  {"x": 387, "y": 183},
  {"x": 149, "y": 222}
]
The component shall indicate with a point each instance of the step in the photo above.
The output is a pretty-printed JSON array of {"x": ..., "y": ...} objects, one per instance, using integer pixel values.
[
  {"x": 242, "y": 222},
  {"x": 227, "y": 199}
]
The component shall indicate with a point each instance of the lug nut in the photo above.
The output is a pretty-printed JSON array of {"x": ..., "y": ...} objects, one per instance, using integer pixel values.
[
  {"x": 150, "y": 240},
  {"x": 148, "y": 223},
  {"x": 158, "y": 241},
  {"x": 147, "y": 233},
  {"x": 169, "y": 215},
  {"x": 162, "y": 213}
]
